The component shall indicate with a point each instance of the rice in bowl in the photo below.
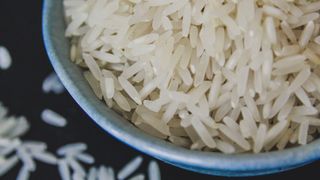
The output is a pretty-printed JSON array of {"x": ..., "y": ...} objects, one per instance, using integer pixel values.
[{"x": 225, "y": 75}]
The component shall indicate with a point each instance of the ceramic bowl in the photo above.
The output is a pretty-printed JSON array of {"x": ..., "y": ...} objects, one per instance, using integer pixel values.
[{"x": 57, "y": 47}]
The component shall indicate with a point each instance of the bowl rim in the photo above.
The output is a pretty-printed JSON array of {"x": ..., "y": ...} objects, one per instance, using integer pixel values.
[{"x": 130, "y": 135}]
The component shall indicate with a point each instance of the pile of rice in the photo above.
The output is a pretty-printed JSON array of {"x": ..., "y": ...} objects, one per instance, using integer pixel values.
[
  {"x": 214, "y": 75},
  {"x": 70, "y": 157}
]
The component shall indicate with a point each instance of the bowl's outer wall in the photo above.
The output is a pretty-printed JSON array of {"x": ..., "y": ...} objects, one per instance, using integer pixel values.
[{"x": 57, "y": 47}]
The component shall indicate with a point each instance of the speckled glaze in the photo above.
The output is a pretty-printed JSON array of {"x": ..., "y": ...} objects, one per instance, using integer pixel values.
[{"x": 202, "y": 162}]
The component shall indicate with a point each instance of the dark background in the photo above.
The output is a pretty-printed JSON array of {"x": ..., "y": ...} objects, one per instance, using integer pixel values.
[{"x": 20, "y": 87}]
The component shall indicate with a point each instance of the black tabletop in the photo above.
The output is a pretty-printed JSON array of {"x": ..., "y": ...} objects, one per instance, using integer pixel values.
[{"x": 20, "y": 91}]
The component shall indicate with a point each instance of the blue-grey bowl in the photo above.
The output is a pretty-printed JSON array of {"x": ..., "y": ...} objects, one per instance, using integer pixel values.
[{"x": 202, "y": 162}]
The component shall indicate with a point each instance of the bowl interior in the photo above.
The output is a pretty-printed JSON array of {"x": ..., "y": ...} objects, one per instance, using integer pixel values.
[{"x": 204, "y": 162}]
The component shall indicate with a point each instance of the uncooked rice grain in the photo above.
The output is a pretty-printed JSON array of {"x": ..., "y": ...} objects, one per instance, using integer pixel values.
[
  {"x": 73, "y": 149},
  {"x": 92, "y": 174},
  {"x": 85, "y": 158},
  {"x": 52, "y": 84},
  {"x": 26, "y": 158},
  {"x": 23, "y": 174},
  {"x": 76, "y": 166},
  {"x": 53, "y": 118},
  {"x": 5, "y": 58},
  {"x": 45, "y": 157},
  {"x": 8, "y": 164},
  {"x": 64, "y": 170},
  {"x": 129, "y": 168},
  {"x": 138, "y": 177},
  {"x": 77, "y": 176},
  {"x": 35, "y": 146},
  {"x": 105, "y": 173},
  {"x": 111, "y": 174},
  {"x": 303, "y": 132}
]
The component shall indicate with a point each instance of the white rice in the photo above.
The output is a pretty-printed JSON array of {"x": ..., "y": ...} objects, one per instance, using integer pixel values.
[
  {"x": 303, "y": 97},
  {"x": 303, "y": 132},
  {"x": 92, "y": 174},
  {"x": 76, "y": 166},
  {"x": 306, "y": 34},
  {"x": 21, "y": 127},
  {"x": 45, "y": 157},
  {"x": 5, "y": 58},
  {"x": 275, "y": 131},
  {"x": 129, "y": 168},
  {"x": 154, "y": 171},
  {"x": 137, "y": 177},
  {"x": 111, "y": 174},
  {"x": 53, "y": 118},
  {"x": 26, "y": 158},
  {"x": 74, "y": 148},
  {"x": 23, "y": 174},
  {"x": 9, "y": 147},
  {"x": 225, "y": 147},
  {"x": 85, "y": 158},
  {"x": 77, "y": 176},
  {"x": 231, "y": 71},
  {"x": 64, "y": 170},
  {"x": 12, "y": 150},
  {"x": 8, "y": 164},
  {"x": 317, "y": 40},
  {"x": 35, "y": 146},
  {"x": 260, "y": 138},
  {"x": 285, "y": 139},
  {"x": 203, "y": 133},
  {"x": 52, "y": 84},
  {"x": 271, "y": 30},
  {"x": 106, "y": 173},
  {"x": 286, "y": 110},
  {"x": 234, "y": 136}
]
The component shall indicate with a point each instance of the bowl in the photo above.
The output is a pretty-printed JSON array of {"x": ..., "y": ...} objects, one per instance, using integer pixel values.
[{"x": 212, "y": 163}]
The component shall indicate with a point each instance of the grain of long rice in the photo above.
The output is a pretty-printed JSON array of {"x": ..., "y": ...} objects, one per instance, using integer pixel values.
[
  {"x": 234, "y": 136},
  {"x": 129, "y": 168},
  {"x": 85, "y": 158},
  {"x": 303, "y": 132},
  {"x": 77, "y": 176},
  {"x": 92, "y": 174},
  {"x": 5, "y": 58},
  {"x": 275, "y": 131},
  {"x": 53, "y": 118},
  {"x": 260, "y": 138},
  {"x": 23, "y": 174},
  {"x": 26, "y": 158},
  {"x": 94, "y": 84},
  {"x": 8, "y": 164},
  {"x": 52, "y": 84},
  {"x": 105, "y": 173},
  {"x": 73, "y": 148},
  {"x": 138, "y": 177},
  {"x": 22, "y": 126},
  {"x": 285, "y": 139},
  {"x": 64, "y": 170},
  {"x": 35, "y": 146},
  {"x": 45, "y": 157},
  {"x": 306, "y": 34},
  {"x": 225, "y": 147},
  {"x": 202, "y": 132},
  {"x": 286, "y": 110},
  {"x": 76, "y": 166}
]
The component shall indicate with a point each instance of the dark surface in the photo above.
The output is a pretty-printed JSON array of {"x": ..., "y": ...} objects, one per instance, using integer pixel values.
[{"x": 20, "y": 87}]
